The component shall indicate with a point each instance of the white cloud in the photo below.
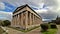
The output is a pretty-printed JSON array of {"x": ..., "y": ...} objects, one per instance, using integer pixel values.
[
  {"x": 5, "y": 15},
  {"x": 41, "y": 11},
  {"x": 2, "y": 6},
  {"x": 22, "y": 2},
  {"x": 46, "y": 20},
  {"x": 52, "y": 5}
]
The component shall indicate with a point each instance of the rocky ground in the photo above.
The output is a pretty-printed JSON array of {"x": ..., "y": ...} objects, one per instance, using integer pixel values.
[{"x": 13, "y": 31}]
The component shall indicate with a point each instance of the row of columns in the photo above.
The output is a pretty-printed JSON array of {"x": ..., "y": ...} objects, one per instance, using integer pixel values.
[
  {"x": 33, "y": 19},
  {"x": 18, "y": 20},
  {"x": 23, "y": 20}
]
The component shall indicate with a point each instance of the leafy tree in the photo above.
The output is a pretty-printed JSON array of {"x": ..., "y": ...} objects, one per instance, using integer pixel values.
[
  {"x": 44, "y": 27},
  {"x": 6, "y": 23}
]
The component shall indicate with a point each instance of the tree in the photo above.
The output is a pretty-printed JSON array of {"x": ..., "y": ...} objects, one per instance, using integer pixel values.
[
  {"x": 44, "y": 27},
  {"x": 6, "y": 23}
]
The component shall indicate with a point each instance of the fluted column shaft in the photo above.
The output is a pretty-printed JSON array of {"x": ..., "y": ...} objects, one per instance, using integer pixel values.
[
  {"x": 22, "y": 19},
  {"x": 18, "y": 20},
  {"x": 30, "y": 19},
  {"x": 26, "y": 20},
  {"x": 33, "y": 20}
]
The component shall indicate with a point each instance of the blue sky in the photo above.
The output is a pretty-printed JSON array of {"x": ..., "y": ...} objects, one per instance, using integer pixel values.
[
  {"x": 9, "y": 7},
  {"x": 47, "y": 9}
]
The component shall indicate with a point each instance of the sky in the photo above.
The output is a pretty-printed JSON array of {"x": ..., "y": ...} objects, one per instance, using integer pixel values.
[{"x": 47, "y": 9}]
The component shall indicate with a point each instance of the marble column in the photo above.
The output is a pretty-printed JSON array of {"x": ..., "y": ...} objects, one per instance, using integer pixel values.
[
  {"x": 18, "y": 20},
  {"x": 33, "y": 19},
  {"x": 30, "y": 19},
  {"x": 22, "y": 20},
  {"x": 15, "y": 20},
  {"x": 26, "y": 20},
  {"x": 36, "y": 20}
]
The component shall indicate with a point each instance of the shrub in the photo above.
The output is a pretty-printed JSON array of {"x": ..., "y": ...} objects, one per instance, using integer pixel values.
[
  {"x": 6, "y": 23},
  {"x": 53, "y": 26},
  {"x": 44, "y": 27}
]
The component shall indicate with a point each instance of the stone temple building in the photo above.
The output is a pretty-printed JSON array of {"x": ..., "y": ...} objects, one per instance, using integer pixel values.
[{"x": 25, "y": 17}]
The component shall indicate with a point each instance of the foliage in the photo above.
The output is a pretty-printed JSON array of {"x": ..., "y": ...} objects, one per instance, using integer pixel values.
[
  {"x": 53, "y": 25},
  {"x": 6, "y": 23},
  {"x": 44, "y": 27},
  {"x": 57, "y": 22}
]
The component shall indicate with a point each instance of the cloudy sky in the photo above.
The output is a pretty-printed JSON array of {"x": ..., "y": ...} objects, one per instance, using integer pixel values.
[{"x": 47, "y": 9}]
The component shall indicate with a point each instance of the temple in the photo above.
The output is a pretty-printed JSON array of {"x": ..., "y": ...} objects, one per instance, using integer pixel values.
[{"x": 25, "y": 17}]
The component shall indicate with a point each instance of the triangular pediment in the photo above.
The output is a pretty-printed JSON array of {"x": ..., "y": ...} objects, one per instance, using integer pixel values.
[{"x": 19, "y": 8}]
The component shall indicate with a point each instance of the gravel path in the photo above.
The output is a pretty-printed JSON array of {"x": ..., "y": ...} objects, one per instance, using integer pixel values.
[
  {"x": 13, "y": 31},
  {"x": 58, "y": 26}
]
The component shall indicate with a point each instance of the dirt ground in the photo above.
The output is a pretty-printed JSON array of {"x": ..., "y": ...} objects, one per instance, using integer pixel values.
[{"x": 13, "y": 31}]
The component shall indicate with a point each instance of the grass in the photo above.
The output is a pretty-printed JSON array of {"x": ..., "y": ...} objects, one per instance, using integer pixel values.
[
  {"x": 50, "y": 31},
  {"x": 1, "y": 30}
]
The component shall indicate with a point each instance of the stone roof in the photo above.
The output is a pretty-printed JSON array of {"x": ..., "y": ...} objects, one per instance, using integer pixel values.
[{"x": 23, "y": 6}]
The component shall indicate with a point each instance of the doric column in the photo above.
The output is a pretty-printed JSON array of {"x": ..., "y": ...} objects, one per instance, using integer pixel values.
[
  {"x": 22, "y": 19},
  {"x": 33, "y": 19},
  {"x": 18, "y": 21},
  {"x": 30, "y": 19},
  {"x": 15, "y": 20},
  {"x": 36, "y": 20},
  {"x": 26, "y": 19}
]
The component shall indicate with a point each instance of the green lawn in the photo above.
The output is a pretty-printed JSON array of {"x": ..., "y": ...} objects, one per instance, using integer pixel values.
[{"x": 50, "y": 31}]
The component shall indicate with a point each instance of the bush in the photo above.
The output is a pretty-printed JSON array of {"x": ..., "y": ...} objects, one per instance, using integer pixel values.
[
  {"x": 53, "y": 26},
  {"x": 44, "y": 27},
  {"x": 6, "y": 23}
]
